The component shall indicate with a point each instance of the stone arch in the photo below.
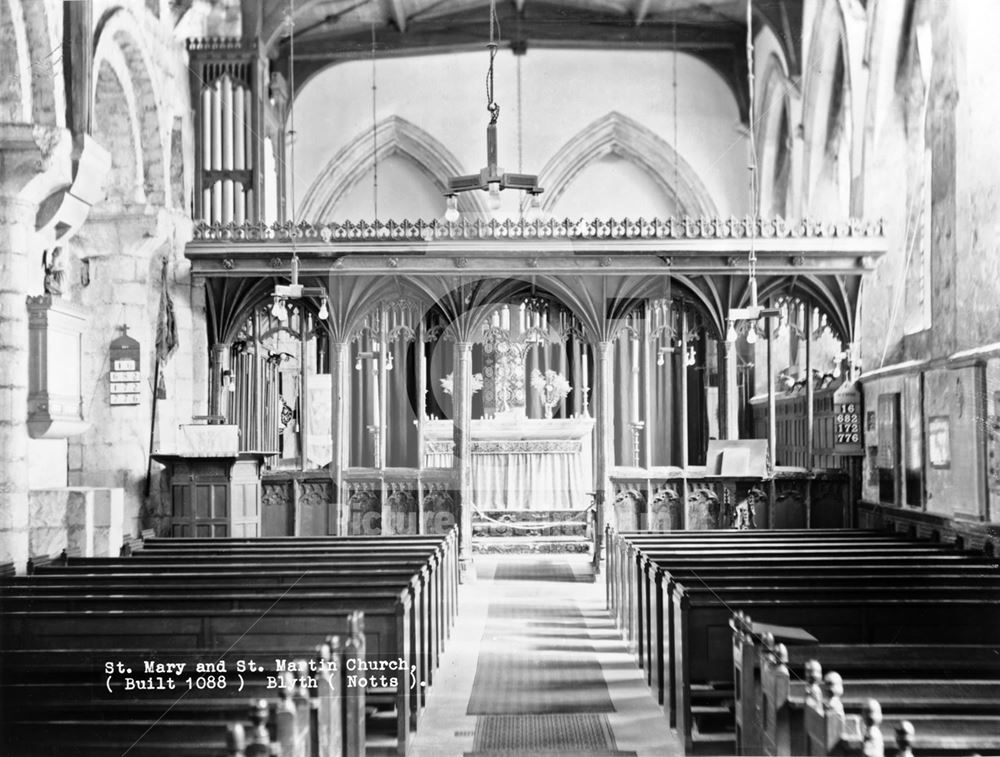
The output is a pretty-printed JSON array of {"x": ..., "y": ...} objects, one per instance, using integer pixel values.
[
  {"x": 829, "y": 110},
  {"x": 827, "y": 114},
  {"x": 28, "y": 58},
  {"x": 774, "y": 151},
  {"x": 117, "y": 131},
  {"x": 393, "y": 136},
  {"x": 15, "y": 61},
  {"x": 617, "y": 134},
  {"x": 121, "y": 51}
]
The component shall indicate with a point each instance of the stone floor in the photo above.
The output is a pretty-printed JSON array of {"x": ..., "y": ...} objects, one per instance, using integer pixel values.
[{"x": 637, "y": 722}]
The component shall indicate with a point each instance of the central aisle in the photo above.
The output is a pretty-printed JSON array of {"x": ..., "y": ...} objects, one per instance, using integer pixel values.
[{"x": 536, "y": 667}]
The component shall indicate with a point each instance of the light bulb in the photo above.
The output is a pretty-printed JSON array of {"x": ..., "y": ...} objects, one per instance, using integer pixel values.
[
  {"x": 659, "y": 358},
  {"x": 752, "y": 335},
  {"x": 323, "y": 312},
  {"x": 357, "y": 364},
  {"x": 278, "y": 308},
  {"x": 388, "y": 362},
  {"x": 493, "y": 201},
  {"x": 451, "y": 214},
  {"x": 691, "y": 356},
  {"x": 731, "y": 333}
]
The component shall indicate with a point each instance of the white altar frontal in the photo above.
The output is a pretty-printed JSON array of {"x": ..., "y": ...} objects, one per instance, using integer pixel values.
[{"x": 521, "y": 464}]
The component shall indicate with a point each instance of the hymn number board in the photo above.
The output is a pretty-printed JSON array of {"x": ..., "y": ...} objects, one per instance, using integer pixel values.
[
  {"x": 124, "y": 381},
  {"x": 847, "y": 408}
]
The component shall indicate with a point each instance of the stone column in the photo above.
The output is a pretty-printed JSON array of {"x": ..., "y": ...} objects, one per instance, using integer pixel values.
[
  {"x": 17, "y": 221},
  {"x": 462, "y": 455},
  {"x": 218, "y": 395},
  {"x": 604, "y": 429},
  {"x": 339, "y": 358},
  {"x": 730, "y": 426}
]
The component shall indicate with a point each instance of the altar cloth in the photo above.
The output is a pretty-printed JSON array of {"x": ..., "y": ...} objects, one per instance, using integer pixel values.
[{"x": 522, "y": 464}]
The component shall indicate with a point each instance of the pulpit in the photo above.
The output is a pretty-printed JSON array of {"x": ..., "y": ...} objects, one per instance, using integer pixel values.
[
  {"x": 522, "y": 463},
  {"x": 214, "y": 489}
]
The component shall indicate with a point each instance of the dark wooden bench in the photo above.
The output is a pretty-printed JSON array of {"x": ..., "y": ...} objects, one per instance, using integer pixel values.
[
  {"x": 649, "y": 616},
  {"x": 673, "y": 615},
  {"x": 844, "y": 724},
  {"x": 55, "y": 704},
  {"x": 770, "y": 701},
  {"x": 185, "y": 599},
  {"x": 430, "y": 616}
]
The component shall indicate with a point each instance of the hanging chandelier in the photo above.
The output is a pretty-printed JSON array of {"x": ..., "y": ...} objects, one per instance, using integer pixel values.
[
  {"x": 294, "y": 290},
  {"x": 492, "y": 179},
  {"x": 754, "y": 311}
]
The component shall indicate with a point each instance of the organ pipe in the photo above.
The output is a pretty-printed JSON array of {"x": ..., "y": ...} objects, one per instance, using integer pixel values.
[
  {"x": 216, "y": 164},
  {"x": 206, "y": 128},
  {"x": 239, "y": 131},
  {"x": 226, "y": 93}
]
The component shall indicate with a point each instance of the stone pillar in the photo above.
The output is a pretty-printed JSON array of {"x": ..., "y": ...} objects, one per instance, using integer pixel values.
[
  {"x": 125, "y": 252},
  {"x": 218, "y": 394},
  {"x": 730, "y": 426},
  {"x": 604, "y": 429},
  {"x": 17, "y": 221},
  {"x": 462, "y": 455},
  {"x": 339, "y": 383}
]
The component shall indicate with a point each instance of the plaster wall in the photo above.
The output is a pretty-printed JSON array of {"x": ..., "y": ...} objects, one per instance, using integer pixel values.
[
  {"x": 953, "y": 489},
  {"x": 977, "y": 221},
  {"x": 562, "y": 92}
]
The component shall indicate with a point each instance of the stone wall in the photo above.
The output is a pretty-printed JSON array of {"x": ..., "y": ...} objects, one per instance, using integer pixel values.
[
  {"x": 87, "y": 522},
  {"x": 112, "y": 260}
]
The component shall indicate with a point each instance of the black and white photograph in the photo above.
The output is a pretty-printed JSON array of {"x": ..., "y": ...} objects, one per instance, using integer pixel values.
[{"x": 499, "y": 378}]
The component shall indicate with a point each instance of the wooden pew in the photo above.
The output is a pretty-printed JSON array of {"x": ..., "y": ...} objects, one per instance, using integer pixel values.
[
  {"x": 618, "y": 544},
  {"x": 912, "y": 680},
  {"x": 832, "y": 728},
  {"x": 766, "y": 694},
  {"x": 855, "y": 614},
  {"x": 655, "y": 642},
  {"x": 243, "y": 561},
  {"x": 435, "y": 601},
  {"x": 444, "y": 567},
  {"x": 630, "y": 567},
  {"x": 427, "y": 619},
  {"x": 177, "y": 624},
  {"x": 71, "y": 716},
  {"x": 640, "y": 608},
  {"x": 717, "y": 550}
]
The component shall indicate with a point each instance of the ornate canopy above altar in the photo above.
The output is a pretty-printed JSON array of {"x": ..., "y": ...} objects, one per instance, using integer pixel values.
[{"x": 521, "y": 463}]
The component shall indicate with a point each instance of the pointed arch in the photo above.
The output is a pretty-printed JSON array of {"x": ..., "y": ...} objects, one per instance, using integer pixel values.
[
  {"x": 119, "y": 49},
  {"x": 774, "y": 150},
  {"x": 617, "y": 134},
  {"x": 394, "y": 136}
]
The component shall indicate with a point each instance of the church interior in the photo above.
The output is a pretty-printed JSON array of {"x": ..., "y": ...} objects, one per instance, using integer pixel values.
[{"x": 489, "y": 378}]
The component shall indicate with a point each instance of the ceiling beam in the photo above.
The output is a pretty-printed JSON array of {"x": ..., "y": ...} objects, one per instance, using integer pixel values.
[{"x": 542, "y": 24}]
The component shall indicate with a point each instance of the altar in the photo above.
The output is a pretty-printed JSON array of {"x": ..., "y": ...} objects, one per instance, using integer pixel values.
[{"x": 522, "y": 464}]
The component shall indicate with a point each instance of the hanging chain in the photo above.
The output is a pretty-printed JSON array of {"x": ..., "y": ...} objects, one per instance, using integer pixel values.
[
  {"x": 292, "y": 136},
  {"x": 374, "y": 130},
  {"x": 491, "y": 105},
  {"x": 520, "y": 120},
  {"x": 674, "y": 85},
  {"x": 753, "y": 150}
]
